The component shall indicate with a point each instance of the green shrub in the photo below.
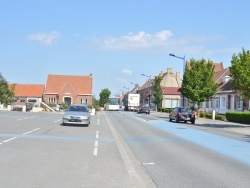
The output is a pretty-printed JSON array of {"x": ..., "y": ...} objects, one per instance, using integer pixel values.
[
  {"x": 238, "y": 117},
  {"x": 209, "y": 116},
  {"x": 220, "y": 117},
  {"x": 202, "y": 114}
]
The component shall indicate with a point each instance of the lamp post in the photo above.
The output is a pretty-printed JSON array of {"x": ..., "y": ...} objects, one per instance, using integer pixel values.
[
  {"x": 126, "y": 88},
  {"x": 149, "y": 97},
  {"x": 183, "y": 58},
  {"x": 134, "y": 84}
]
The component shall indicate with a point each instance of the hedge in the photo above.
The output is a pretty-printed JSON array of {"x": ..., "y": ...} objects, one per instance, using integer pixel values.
[{"x": 238, "y": 117}]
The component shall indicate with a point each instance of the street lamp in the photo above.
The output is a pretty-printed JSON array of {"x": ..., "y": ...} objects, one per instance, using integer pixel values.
[
  {"x": 183, "y": 58},
  {"x": 126, "y": 88},
  {"x": 149, "y": 97}
]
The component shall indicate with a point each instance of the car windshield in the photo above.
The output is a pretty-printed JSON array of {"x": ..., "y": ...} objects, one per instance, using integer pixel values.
[
  {"x": 144, "y": 105},
  {"x": 78, "y": 108},
  {"x": 189, "y": 110}
]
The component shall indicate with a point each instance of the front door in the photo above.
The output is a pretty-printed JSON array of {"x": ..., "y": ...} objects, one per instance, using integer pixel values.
[{"x": 67, "y": 101}]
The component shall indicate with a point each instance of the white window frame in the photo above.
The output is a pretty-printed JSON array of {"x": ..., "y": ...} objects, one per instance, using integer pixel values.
[{"x": 223, "y": 102}]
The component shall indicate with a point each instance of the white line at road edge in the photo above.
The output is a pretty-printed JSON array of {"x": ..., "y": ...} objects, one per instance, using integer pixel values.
[
  {"x": 10, "y": 139},
  {"x": 22, "y": 134},
  {"x": 26, "y": 118},
  {"x": 31, "y": 131},
  {"x": 57, "y": 121}
]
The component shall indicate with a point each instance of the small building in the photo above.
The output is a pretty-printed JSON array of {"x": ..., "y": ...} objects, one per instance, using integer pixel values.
[
  {"x": 68, "y": 89},
  {"x": 28, "y": 93}
]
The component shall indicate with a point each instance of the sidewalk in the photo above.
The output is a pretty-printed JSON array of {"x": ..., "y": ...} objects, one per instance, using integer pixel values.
[{"x": 239, "y": 128}]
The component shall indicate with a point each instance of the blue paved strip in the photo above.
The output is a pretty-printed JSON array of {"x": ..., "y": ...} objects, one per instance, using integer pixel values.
[
  {"x": 154, "y": 140},
  {"x": 22, "y": 117},
  {"x": 239, "y": 150},
  {"x": 58, "y": 137}
]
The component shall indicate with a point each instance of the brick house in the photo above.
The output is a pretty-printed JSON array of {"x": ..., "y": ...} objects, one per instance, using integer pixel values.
[
  {"x": 170, "y": 84},
  {"x": 226, "y": 98},
  {"x": 28, "y": 93},
  {"x": 68, "y": 89}
]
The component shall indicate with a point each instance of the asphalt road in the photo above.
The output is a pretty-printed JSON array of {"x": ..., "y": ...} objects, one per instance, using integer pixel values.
[{"x": 118, "y": 149}]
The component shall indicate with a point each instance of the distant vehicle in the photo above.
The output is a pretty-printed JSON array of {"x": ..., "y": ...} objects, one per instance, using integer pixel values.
[
  {"x": 113, "y": 103},
  {"x": 182, "y": 114},
  {"x": 77, "y": 114},
  {"x": 143, "y": 108},
  {"x": 131, "y": 102}
]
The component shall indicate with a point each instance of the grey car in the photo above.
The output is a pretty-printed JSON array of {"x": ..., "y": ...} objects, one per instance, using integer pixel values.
[{"x": 77, "y": 114}]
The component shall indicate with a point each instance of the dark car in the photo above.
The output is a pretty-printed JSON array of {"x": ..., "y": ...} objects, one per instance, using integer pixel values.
[
  {"x": 182, "y": 114},
  {"x": 143, "y": 108}
]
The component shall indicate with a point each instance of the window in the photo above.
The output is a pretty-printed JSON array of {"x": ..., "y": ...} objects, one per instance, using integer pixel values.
[
  {"x": 222, "y": 102},
  {"x": 52, "y": 100},
  {"x": 239, "y": 103},
  {"x": 83, "y": 101},
  {"x": 22, "y": 100}
]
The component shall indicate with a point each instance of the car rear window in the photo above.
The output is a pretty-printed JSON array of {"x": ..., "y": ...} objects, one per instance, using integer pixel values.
[{"x": 189, "y": 110}]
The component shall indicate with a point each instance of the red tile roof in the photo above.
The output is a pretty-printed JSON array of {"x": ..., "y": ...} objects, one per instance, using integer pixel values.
[
  {"x": 171, "y": 91},
  {"x": 29, "y": 90},
  {"x": 217, "y": 66},
  {"x": 81, "y": 84}
]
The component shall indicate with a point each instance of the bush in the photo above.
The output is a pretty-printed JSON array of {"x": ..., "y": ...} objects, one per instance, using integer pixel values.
[
  {"x": 220, "y": 117},
  {"x": 238, "y": 117},
  {"x": 202, "y": 114}
]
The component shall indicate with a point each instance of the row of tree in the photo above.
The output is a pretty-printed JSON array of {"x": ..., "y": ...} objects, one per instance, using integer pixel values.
[{"x": 198, "y": 83}]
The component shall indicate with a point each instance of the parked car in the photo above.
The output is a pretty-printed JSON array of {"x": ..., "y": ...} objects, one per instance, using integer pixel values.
[
  {"x": 143, "y": 108},
  {"x": 77, "y": 114},
  {"x": 182, "y": 114}
]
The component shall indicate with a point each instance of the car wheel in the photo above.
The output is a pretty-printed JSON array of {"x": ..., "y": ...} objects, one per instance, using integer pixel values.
[
  {"x": 193, "y": 121},
  {"x": 185, "y": 121},
  {"x": 170, "y": 119}
]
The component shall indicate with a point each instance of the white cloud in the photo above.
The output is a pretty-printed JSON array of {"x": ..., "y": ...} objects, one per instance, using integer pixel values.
[
  {"x": 137, "y": 40},
  {"x": 122, "y": 80},
  {"x": 126, "y": 71},
  {"x": 45, "y": 38}
]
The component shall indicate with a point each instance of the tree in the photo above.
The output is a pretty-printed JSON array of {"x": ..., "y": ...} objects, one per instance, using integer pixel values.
[
  {"x": 6, "y": 93},
  {"x": 198, "y": 83},
  {"x": 157, "y": 91},
  {"x": 104, "y": 96},
  {"x": 240, "y": 71}
]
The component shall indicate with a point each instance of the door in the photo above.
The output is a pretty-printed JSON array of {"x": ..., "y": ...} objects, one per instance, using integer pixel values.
[{"x": 67, "y": 101}]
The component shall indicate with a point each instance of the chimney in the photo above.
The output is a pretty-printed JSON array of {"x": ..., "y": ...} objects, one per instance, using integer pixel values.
[
  {"x": 169, "y": 70},
  {"x": 177, "y": 74}
]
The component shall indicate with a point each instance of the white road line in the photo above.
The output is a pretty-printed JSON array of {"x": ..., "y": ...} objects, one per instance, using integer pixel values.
[
  {"x": 96, "y": 143},
  {"x": 98, "y": 122},
  {"x": 57, "y": 121},
  {"x": 26, "y": 118},
  {"x": 95, "y": 152},
  {"x": 148, "y": 163},
  {"x": 31, "y": 131},
  {"x": 10, "y": 139}
]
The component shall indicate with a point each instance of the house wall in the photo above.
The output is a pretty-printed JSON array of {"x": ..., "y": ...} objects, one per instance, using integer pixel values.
[
  {"x": 21, "y": 101},
  {"x": 67, "y": 92},
  {"x": 171, "y": 101}
]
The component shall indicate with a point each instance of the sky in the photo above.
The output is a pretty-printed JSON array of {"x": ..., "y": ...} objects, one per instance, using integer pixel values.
[{"x": 116, "y": 40}]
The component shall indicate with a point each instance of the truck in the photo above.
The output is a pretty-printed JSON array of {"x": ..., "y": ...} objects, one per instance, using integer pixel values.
[{"x": 131, "y": 102}]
